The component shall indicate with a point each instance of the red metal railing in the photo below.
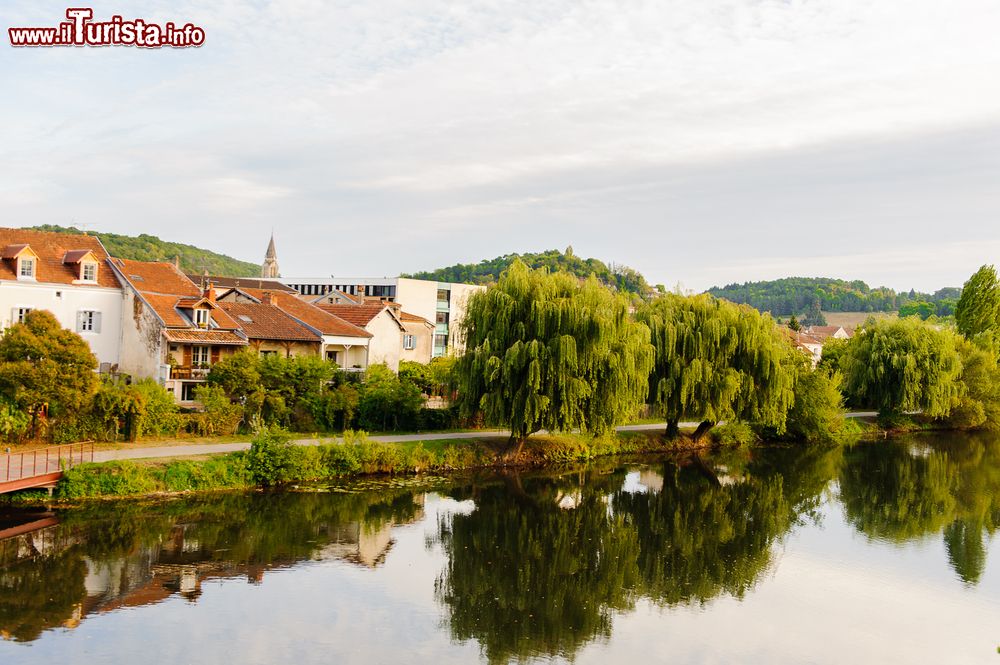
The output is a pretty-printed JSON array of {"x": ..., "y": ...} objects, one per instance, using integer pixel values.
[{"x": 42, "y": 461}]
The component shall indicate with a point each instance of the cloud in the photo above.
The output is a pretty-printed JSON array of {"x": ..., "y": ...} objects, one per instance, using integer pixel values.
[{"x": 692, "y": 140}]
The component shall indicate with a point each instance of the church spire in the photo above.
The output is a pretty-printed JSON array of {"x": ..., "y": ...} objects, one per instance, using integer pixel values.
[{"x": 269, "y": 269}]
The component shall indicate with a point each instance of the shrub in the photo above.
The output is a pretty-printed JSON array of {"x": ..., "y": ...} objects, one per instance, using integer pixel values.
[
  {"x": 271, "y": 459},
  {"x": 734, "y": 434},
  {"x": 817, "y": 415}
]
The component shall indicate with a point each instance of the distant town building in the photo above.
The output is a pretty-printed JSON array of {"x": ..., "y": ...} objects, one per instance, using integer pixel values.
[{"x": 440, "y": 303}]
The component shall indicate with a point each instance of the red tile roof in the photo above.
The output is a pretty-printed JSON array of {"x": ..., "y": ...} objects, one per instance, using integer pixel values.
[
  {"x": 406, "y": 316},
  {"x": 243, "y": 282},
  {"x": 309, "y": 314},
  {"x": 198, "y": 336},
  {"x": 166, "y": 289},
  {"x": 359, "y": 315},
  {"x": 51, "y": 249},
  {"x": 260, "y": 321}
]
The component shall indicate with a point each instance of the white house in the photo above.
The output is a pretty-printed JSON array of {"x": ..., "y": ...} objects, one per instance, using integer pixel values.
[{"x": 68, "y": 275}]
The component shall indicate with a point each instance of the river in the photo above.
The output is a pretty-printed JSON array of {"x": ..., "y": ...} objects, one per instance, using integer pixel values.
[{"x": 876, "y": 553}]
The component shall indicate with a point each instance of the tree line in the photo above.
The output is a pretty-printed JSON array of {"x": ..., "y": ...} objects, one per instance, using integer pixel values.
[
  {"x": 548, "y": 351},
  {"x": 798, "y": 295}
]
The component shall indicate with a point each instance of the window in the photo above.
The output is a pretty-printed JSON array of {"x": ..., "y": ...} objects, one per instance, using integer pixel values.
[
  {"x": 442, "y": 317},
  {"x": 88, "y": 272},
  {"x": 440, "y": 341},
  {"x": 27, "y": 267},
  {"x": 443, "y": 296},
  {"x": 19, "y": 313},
  {"x": 88, "y": 321},
  {"x": 333, "y": 356},
  {"x": 201, "y": 318},
  {"x": 264, "y": 353},
  {"x": 200, "y": 355},
  {"x": 187, "y": 391},
  {"x": 409, "y": 342}
]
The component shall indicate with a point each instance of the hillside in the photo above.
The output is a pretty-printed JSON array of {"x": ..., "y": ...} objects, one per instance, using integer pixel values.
[
  {"x": 622, "y": 278},
  {"x": 150, "y": 248},
  {"x": 797, "y": 295}
]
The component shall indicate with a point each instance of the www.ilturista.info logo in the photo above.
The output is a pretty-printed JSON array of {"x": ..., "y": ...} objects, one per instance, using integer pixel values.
[{"x": 80, "y": 30}]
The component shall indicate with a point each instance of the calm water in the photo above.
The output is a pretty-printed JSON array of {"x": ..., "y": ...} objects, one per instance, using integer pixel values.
[{"x": 874, "y": 554}]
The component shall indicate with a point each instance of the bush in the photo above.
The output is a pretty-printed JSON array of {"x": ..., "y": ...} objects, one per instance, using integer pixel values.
[
  {"x": 734, "y": 434},
  {"x": 817, "y": 415},
  {"x": 271, "y": 459},
  {"x": 386, "y": 403}
]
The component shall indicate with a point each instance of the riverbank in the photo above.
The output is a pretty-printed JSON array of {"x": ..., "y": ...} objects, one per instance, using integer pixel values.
[{"x": 278, "y": 461}]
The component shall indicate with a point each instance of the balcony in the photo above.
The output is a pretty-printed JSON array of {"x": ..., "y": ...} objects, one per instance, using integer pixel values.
[{"x": 189, "y": 372}]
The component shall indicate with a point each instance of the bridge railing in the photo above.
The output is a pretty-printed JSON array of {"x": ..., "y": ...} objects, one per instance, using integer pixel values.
[{"x": 43, "y": 461}]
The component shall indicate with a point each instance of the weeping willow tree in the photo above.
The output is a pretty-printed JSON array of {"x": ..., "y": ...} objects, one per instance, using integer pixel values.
[
  {"x": 903, "y": 365},
  {"x": 545, "y": 351},
  {"x": 718, "y": 361},
  {"x": 977, "y": 313}
]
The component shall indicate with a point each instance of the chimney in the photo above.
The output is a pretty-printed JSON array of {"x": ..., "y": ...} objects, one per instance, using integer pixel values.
[
  {"x": 267, "y": 298},
  {"x": 210, "y": 292},
  {"x": 177, "y": 261}
]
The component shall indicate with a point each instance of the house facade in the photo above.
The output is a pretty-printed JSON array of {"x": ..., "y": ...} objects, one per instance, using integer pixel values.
[
  {"x": 339, "y": 341},
  {"x": 68, "y": 275},
  {"x": 172, "y": 330}
]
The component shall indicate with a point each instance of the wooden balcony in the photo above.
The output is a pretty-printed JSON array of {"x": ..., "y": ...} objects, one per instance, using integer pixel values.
[{"x": 188, "y": 372}]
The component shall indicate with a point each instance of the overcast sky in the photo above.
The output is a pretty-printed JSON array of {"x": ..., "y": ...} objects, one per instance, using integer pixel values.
[{"x": 700, "y": 142}]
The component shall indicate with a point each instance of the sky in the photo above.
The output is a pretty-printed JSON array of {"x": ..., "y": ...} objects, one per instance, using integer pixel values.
[{"x": 701, "y": 143}]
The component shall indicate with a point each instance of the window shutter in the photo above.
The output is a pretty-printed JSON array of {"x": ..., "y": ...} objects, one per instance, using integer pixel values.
[
  {"x": 97, "y": 322},
  {"x": 187, "y": 356},
  {"x": 215, "y": 354},
  {"x": 79, "y": 321}
]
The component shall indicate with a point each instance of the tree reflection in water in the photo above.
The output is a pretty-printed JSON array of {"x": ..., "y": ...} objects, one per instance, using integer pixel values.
[{"x": 920, "y": 486}]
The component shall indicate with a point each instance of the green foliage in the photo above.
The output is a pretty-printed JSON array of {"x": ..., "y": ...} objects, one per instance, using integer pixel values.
[
  {"x": 386, "y": 402},
  {"x": 817, "y": 414},
  {"x": 150, "y": 248},
  {"x": 734, "y": 435},
  {"x": 44, "y": 366},
  {"x": 621, "y": 278},
  {"x": 977, "y": 313},
  {"x": 13, "y": 422},
  {"x": 833, "y": 352},
  {"x": 979, "y": 403},
  {"x": 793, "y": 295},
  {"x": 903, "y": 365},
  {"x": 274, "y": 460},
  {"x": 143, "y": 408},
  {"x": 793, "y": 324},
  {"x": 545, "y": 351},
  {"x": 220, "y": 416},
  {"x": 920, "y": 308},
  {"x": 434, "y": 378},
  {"x": 718, "y": 361}
]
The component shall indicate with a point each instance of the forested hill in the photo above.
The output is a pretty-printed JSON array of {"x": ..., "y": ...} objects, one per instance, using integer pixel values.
[
  {"x": 487, "y": 271},
  {"x": 150, "y": 248},
  {"x": 795, "y": 295}
]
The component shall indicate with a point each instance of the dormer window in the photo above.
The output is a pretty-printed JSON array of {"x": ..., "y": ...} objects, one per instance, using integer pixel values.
[
  {"x": 88, "y": 271},
  {"x": 202, "y": 317},
  {"x": 26, "y": 267}
]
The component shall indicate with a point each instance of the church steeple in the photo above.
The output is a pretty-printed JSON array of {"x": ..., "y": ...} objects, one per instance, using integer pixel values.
[{"x": 269, "y": 269}]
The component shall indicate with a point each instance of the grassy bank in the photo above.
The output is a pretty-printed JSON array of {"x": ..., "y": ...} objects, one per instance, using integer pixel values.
[{"x": 274, "y": 461}]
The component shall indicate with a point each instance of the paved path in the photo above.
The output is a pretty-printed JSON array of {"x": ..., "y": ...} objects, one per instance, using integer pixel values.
[{"x": 146, "y": 452}]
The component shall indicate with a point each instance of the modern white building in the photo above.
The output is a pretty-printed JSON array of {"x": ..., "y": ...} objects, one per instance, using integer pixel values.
[
  {"x": 441, "y": 303},
  {"x": 68, "y": 275}
]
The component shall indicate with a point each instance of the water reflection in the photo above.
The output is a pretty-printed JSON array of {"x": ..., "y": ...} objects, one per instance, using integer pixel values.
[
  {"x": 533, "y": 564},
  {"x": 113, "y": 556},
  {"x": 922, "y": 486}
]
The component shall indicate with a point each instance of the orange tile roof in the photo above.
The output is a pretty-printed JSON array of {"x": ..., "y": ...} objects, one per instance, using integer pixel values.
[
  {"x": 309, "y": 314},
  {"x": 260, "y": 321},
  {"x": 51, "y": 249},
  {"x": 406, "y": 316},
  {"x": 166, "y": 288},
  {"x": 198, "y": 336},
  {"x": 359, "y": 315}
]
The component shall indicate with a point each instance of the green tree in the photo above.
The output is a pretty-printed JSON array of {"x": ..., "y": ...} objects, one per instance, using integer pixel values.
[
  {"x": 44, "y": 366},
  {"x": 979, "y": 403},
  {"x": 919, "y": 308},
  {"x": 545, "y": 351},
  {"x": 977, "y": 314},
  {"x": 903, "y": 365},
  {"x": 793, "y": 324},
  {"x": 718, "y": 361},
  {"x": 817, "y": 414},
  {"x": 386, "y": 402}
]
